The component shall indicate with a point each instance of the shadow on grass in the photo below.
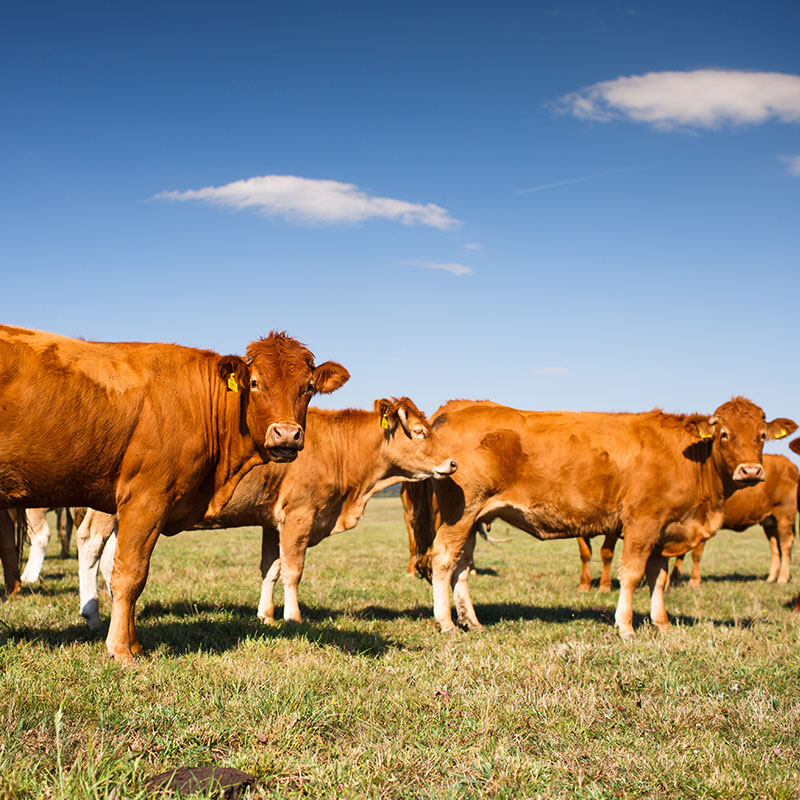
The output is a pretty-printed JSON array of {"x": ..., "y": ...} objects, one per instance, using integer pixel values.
[{"x": 731, "y": 577}]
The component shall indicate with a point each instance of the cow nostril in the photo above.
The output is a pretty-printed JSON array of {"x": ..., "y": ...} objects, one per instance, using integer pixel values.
[
  {"x": 453, "y": 464},
  {"x": 297, "y": 435}
]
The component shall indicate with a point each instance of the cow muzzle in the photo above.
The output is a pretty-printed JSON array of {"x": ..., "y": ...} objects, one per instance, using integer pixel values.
[
  {"x": 748, "y": 474},
  {"x": 447, "y": 467},
  {"x": 284, "y": 441}
]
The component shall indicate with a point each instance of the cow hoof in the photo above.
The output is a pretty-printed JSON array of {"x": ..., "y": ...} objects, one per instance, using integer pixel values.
[
  {"x": 123, "y": 657},
  {"x": 627, "y": 636},
  {"x": 604, "y": 588},
  {"x": 783, "y": 580},
  {"x": 470, "y": 626},
  {"x": 265, "y": 620},
  {"x": 770, "y": 579},
  {"x": 694, "y": 584},
  {"x": 663, "y": 627},
  {"x": 94, "y": 623},
  {"x": 583, "y": 588}
]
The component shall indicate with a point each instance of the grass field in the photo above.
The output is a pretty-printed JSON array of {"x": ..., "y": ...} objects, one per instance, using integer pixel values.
[{"x": 366, "y": 699}]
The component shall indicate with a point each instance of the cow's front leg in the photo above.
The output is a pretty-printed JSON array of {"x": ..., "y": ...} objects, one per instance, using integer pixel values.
[
  {"x": 656, "y": 570},
  {"x": 445, "y": 554},
  {"x": 293, "y": 545},
  {"x": 697, "y": 557},
  {"x": 91, "y": 538},
  {"x": 585, "y": 549},
  {"x": 139, "y": 529},
  {"x": 460, "y": 584},
  {"x": 8, "y": 554},
  {"x": 635, "y": 551},
  {"x": 270, "y": 570},
  {"x": 786, "y": 540}
]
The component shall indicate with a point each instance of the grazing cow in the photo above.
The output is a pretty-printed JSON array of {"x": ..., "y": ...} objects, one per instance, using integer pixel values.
[
  {"x": 772, "y": 504},
  {"x": 349, "y": 456},
  {"x": 159, "y": 433},
  {"x": 659, "y": 479}
]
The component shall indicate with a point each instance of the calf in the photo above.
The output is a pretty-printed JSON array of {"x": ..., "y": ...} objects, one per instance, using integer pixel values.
[
  {"x": 158, "y": 433},
  {"x": 659, "y": 479},
  {"x": 772, "y": 504},
  {"x": 349, "y": 455}
]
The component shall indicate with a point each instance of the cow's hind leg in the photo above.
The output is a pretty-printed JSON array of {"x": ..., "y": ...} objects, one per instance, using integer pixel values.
[
  {"x": 607, "y": 555},
  {"x": 585, "y": 548},
  {"x": 39, "y": 534},
  {"x": 93, "y": 533},
  {"x": 139, "y": 529},
  {"x": 697, "y": 557},
  {"x": 64, "y": 529},
  {"x": 656, "y": 570},
  {"x": 676, "y": 578},
  {"x": 270, "y": 571},
  {"x": 8, "y": 554},
  {"x": 635, "y": 553}
]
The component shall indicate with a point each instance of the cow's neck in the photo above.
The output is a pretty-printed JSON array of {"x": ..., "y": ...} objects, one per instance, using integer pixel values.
[{"x": 233, "y": 447}]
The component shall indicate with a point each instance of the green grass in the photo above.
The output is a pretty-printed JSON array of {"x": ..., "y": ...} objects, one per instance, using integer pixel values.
[{"x": 366, "y": 699}]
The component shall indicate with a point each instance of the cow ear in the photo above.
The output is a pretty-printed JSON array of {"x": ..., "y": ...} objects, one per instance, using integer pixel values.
[
  {"x": 794, "y": 446},
  {"x": 387, "y": 411},
  {"x": 780, "y": 427},
  {"x": 234, "y": 372},
  {"x": 702, "y": 428},
  {"x": 328, "y": 377}
]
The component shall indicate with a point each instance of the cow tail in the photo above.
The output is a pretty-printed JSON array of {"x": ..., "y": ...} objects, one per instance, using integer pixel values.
[{"x": 418, "y": 503}]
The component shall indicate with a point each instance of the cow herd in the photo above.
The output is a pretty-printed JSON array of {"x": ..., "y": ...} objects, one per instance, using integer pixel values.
[{"x": 159, "y": 438}]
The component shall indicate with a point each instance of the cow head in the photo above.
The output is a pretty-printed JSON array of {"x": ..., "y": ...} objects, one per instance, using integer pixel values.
[
  {"x": 410, "y": 444},
  {"x": 275, "y": 381},
  {"x": 737, "y": 431}
]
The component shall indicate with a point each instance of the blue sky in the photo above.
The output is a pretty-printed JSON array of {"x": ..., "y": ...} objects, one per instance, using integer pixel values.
[{"x": 554, "y": 205}]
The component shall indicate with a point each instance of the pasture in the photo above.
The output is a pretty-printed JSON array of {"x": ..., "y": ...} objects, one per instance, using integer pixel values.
[{"x": 367, "y": 699}]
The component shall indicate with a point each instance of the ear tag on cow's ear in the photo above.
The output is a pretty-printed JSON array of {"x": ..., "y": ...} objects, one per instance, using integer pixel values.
[
  {"x": 232, "y": 385},
  {"x": 704, "y": 435},
  {"x": 781, "y": 433},
  {"x": 384, "y": 422}
]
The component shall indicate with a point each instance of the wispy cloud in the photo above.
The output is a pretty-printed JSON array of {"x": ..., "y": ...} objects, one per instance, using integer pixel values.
[
  {"x": 552, "y": 371},
  {"x": 695, "y": 99},
  {"x": 570, "y": 181},
  {"x": 455, "y": 269},
  {"x": 794, "y": 164},
  {"x": 311, "y": 201}
]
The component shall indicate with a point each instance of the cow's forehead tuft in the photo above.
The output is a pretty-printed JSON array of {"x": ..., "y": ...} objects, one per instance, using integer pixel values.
[
  {"x": 278, "y": 345},
  {"x": 742, "y": 408}
]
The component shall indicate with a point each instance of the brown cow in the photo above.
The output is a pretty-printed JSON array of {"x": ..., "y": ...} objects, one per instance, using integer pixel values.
[
  {"x": 349, "y": 456},
  {"x": 772, "y": 504},
  {"x": 660, "y": 479},
  {"x": 159, "y": 433},
  {"x": 794, "y": 445}
]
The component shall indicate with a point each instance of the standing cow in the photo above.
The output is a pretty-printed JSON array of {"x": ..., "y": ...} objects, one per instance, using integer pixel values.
[
  {"x": 159, "y": 433},
  {"x": 659, "y": 479},
  {"x": 349, "y": 456},
  {"x": 772, "y": 504}
]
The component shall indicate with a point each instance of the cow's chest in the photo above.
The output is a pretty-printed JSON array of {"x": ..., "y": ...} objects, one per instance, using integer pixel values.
[{"x": 686, "y": 535}]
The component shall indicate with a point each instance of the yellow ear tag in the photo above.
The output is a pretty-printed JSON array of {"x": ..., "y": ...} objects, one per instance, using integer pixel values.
[
  {"x": 706, "y": 435},
  {"x": 232, "y": 385},
  {"x": 781, "y": 433},
  {"x": 384, "y": 422}
]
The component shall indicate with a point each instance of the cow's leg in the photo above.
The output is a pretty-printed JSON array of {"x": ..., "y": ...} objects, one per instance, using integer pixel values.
[
  {"x": 656, "y": 569},
  {"x": 293, "y": 545},
  {"x": 139, "y": 529},
  {"x": 469, "y": 552},
  {"x": 408, "y": 513},
  {"x": 64, "y": 529},
  {"x": 8, "y": 554},
  {"x": 39, "y": 533},
  {"x": 107, "y": 561},
  {"x": 585, "y": 548},
  {"x": 459, "y": 581},
  {"x": 270, "y": 571},
  {"x": 697, "y": 557},
  {"x": 635, "y": 553},
  {"x": 786, "y": 540},
  {"x": 676, "y": 577},
  {"x": 445, "y": 554},
  {"x": 607, "y": 554},
  {"x": 93, "y": 534}
]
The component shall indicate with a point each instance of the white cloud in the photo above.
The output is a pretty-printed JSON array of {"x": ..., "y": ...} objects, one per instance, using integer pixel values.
[
  {"x": 794, "y": 164},
  {"x": 552, "y": 371},
  {"x": 308, "y": 200},
  {"x": 698, "y": 99},
  {"x": 456, "y": 269}
]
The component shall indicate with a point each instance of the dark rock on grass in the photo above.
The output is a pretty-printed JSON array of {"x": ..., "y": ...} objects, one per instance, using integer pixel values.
[{"x": 228, "y": 783}]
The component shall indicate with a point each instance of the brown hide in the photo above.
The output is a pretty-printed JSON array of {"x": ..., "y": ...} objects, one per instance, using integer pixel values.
[
  {"x": 158, "y": 432},
  {"x": 661, "y": 479}
]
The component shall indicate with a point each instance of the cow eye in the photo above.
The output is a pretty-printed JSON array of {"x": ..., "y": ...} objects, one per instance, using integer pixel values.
[
  {"x": 254, "y": 383},
  {"x": 763, "y": 436},
  {"x": 724, "y": 436},
  {"x": 419, "y": 433}
]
